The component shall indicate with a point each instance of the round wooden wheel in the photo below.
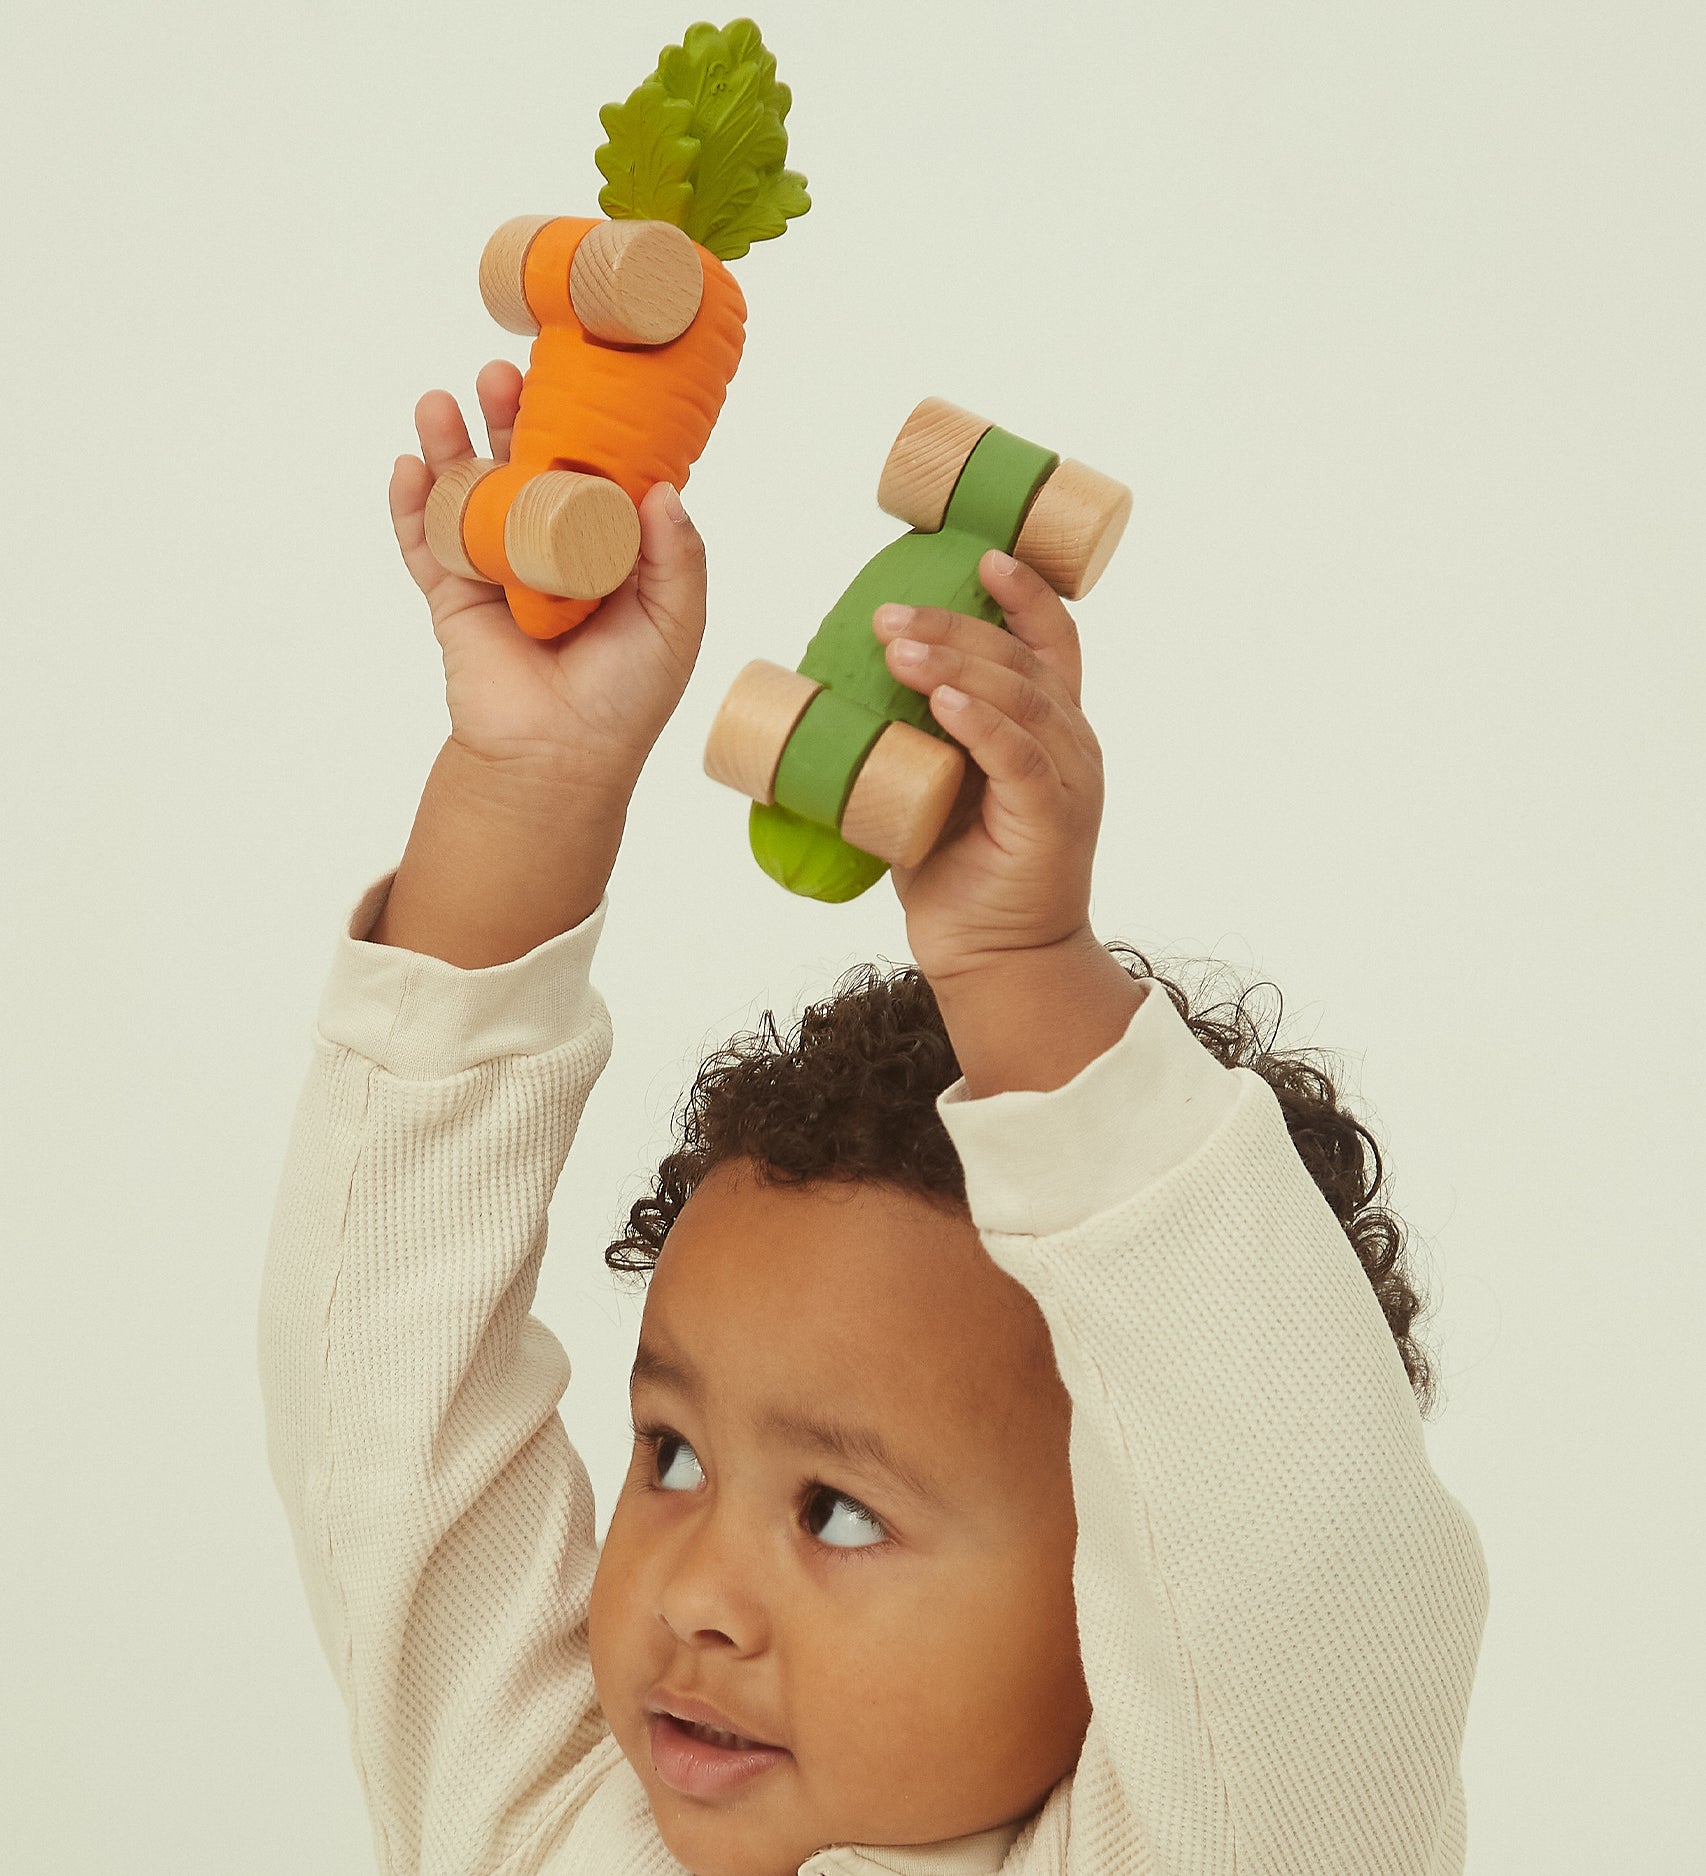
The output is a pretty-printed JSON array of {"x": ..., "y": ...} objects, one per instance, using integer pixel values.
[
  {"x": 924, "y": 463},
  {"x": 636, "y": 282},
  {"x": 446, "y": 506},
  {"x": 761, "y": 711},
  {"x": 903, "y": 795},
  {"x": 1073, "y": 527},
  {"x": 574, "y": 535},
  {"x": 503, "y": 273}
]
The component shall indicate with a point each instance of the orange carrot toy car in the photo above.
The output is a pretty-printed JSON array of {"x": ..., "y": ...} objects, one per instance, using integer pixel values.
[{"x": 637, "y": 329}]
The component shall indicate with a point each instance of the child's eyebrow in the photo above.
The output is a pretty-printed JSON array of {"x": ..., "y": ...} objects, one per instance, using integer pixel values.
[
  {"x": 854, "y": 1445},
  {"x": 651, "y": 1364}
]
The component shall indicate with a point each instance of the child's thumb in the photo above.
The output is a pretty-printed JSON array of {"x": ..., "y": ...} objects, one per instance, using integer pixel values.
[{"x": 671, "y": 566}]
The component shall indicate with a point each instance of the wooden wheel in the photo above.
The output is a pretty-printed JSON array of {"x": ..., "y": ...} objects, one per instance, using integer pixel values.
[
  {"x": 636, "y": 282},
  {"x": 574, "y": 535},
  {"x": 903, "y": 795},
  {"x": 1073, "y": 527},
  {"x": 446, "y": 506},
  {"x": 761, "y": 711},
  {"x": 924, "y": 463},
  {"x": 503, "y": 273}
]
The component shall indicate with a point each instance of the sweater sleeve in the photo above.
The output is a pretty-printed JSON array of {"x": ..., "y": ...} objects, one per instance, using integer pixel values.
[
  {"x": 443, "y": 1523},
  {"x": 1280, "y": 1606}
]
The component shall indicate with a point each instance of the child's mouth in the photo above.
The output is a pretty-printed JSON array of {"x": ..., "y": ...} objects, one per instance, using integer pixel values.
[{"x": 704, "y": 1761}]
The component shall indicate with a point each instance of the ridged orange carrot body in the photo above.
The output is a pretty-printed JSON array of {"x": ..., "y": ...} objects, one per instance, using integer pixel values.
[{"x": 639, "y": 414}]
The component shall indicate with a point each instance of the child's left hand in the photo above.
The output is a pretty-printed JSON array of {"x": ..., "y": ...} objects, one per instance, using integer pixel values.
[
  {"x": 1018, "y": 876},
  {"x": 998, "y": 915}
]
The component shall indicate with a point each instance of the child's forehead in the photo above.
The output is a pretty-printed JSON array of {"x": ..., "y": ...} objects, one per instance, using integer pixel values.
[
  {"x": 848, "y": 1258},
  {"x": 853, "y": 1293}
]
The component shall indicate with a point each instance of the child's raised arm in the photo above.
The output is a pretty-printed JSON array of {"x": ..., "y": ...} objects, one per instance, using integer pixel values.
[
  {"x": 443, "y": 1523},
  {"x": 522, "y": 814},
  {"x": 1279, "y": 1604}
]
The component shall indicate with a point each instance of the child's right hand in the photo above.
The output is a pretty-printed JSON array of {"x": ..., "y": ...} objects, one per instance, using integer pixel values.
[
  {"x": 583, "y": 709},
  {"x": 522, "y": 816}
]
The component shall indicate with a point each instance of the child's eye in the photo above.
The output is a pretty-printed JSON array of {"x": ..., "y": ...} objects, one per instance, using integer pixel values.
[
  {"x": 834, "y": 1518},
  {"x": 678, "y": 1466}
]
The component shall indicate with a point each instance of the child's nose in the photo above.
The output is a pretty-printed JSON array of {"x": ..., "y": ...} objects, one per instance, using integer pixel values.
[{"x": 710, "y": 1594}]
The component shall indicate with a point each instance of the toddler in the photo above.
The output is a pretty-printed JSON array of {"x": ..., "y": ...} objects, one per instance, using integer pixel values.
[{"x": 1028, "y": 1471}]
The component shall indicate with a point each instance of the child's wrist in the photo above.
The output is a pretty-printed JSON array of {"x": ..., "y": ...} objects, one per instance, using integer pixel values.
[
  {"x": 501, "y": 858},
  {"x": 543, "y": 780},
  {"x": 1035, "y": 1018}
]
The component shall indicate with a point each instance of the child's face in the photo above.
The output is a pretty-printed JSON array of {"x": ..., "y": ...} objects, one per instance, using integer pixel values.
[{"x": 913, "y": 1653}]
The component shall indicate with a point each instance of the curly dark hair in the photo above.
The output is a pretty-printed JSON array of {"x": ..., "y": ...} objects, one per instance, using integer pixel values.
[{"x": 850, "y": 1093}]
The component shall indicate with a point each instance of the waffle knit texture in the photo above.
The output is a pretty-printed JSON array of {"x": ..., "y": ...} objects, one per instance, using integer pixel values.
[{"x": 1279, "y": 1604}]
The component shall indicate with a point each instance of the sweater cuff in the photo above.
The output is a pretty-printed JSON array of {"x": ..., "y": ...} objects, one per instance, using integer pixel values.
[
  {"x": 421, "y": 1019},
  {"x": 1036, "y": 1163}
]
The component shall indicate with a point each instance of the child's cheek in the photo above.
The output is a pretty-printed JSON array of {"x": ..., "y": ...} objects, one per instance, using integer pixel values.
[{"x": 619, "y": 1672}]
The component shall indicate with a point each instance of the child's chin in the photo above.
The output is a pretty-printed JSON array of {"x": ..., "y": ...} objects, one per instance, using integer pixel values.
[{"x": 712, "y": 1841}]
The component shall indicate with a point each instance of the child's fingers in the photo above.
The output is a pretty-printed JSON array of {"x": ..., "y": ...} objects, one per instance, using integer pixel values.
[
  {"x": 411, "y": 484},
  {"x": 499, "y": 390},
  {"x": 933, "y": 647},
  {"x": 1021, "y": 774},
  {"x": 935, "y": 625},
  {"x": 447, "y": 593},
  {"x": 1023, "y": 702},
  {"x": 671, "y": 571},
  {"x": 443, "y": 434},
  {"x": 444, "y": 441},
  {"x": 1036, "y": 616}
]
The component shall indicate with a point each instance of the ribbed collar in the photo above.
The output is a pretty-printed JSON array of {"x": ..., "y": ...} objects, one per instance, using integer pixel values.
[{"x": 980, "y": 1855}]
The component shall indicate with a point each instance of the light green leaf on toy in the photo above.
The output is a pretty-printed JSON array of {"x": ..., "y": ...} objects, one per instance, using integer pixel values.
[
  {"x": 649, "y": 159},
  {"x": 716, "y": 96}
]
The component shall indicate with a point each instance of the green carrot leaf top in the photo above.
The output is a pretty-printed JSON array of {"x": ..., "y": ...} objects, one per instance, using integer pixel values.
[
  {"x": 649, "y": 158},
  {"x": 701, "y": 143}
]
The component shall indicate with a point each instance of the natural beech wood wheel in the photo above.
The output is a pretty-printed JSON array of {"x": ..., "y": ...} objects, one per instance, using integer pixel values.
[
  {"x": 636, "y": 282},
  {"x": 503, "y": 273},
  {"x": 924, "y": 463},
  {"x": 576, "y": 536},
  {"x": 751, "y": 729},
  {"x": 903, "y": 795},
  {"x": 1073, "y": 527},
  {"x": 445, "y": 507}
]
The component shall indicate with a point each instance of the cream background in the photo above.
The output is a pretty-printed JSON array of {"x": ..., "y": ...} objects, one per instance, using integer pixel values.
[{"x": 1390, "y": 316}]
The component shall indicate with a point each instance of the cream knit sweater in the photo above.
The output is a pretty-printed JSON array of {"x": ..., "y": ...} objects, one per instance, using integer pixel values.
[{"x": 1279, "y": 1604}]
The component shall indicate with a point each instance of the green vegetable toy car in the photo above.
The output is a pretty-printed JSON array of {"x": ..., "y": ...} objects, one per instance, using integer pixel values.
[{"x": 848, "y": 771}]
